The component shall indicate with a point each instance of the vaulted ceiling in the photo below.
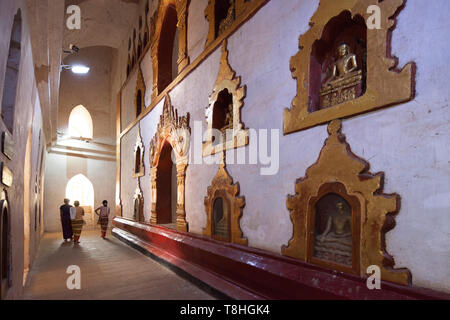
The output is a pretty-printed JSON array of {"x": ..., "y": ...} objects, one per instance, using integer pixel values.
[{"x": 103, "y": 23}]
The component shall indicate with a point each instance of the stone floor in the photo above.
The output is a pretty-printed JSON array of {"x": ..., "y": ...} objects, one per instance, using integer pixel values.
[{"x": 109, "y": 270}]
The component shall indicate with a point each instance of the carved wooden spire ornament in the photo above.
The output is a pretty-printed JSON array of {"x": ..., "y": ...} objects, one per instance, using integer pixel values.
[{"x": 341, "y": 173}]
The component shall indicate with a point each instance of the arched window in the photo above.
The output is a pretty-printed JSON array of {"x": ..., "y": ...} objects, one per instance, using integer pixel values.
[
  {"x": 79, "y": 188},
  {"x": 12, "y": 73},
  {"x": 167, "y": 53},
  {"x": 80, "y": 123}
]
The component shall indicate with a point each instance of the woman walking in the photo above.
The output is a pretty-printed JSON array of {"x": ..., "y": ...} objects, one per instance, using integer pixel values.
[
  {"x": 103, "y": 219},
  {"x": 76, "y": 214}
]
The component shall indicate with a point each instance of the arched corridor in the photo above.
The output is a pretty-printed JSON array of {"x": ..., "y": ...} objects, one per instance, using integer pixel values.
[
  {"x": 231, "y": 149},
  {"x": 109, "y": 270}
]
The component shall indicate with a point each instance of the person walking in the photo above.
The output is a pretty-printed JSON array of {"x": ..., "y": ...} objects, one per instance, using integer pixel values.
[
  {"x": 76, "y": 214},
  {"x": 65, "y": 220},
  {"x": 103, "y": 217}
]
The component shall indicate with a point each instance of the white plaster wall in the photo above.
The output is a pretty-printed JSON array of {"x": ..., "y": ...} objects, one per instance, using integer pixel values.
[
  {"x": 198, "y": 27},
  {"x": 60, "y": 169},
  {"x": 148, "y": 130},
  {"x": 128, "y": 183},
  {"x": 27, "y": 115},
  {"x": 408, "y": 142},
  {"x": 147, "y": 73},
  {"x": 128, "y": 111}
]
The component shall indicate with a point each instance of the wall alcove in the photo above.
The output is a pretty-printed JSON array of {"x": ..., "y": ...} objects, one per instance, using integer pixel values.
[
  {"x": 168, "y": 43},
  {"x": 223, "y": 114},
  {"x": 340, "y": 214},
  {"x": 169, "y": 155},
  {"x": 224, "y": 208},
  {"x": 343, "y": 68},
  {"x": 138, "y": 170}
]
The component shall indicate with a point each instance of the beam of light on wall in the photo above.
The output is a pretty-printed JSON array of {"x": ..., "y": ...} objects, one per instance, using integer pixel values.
[
  {"x": 80, "y": 69},
  {"x": 79, "y": 188},
  {"x": 80, "y": 123}
]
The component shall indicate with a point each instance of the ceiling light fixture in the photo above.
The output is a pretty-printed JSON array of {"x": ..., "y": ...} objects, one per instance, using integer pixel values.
[{"x": 78, "y": 69}]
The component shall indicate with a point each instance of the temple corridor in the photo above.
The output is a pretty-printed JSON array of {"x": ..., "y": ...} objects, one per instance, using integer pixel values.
[{"x": 109, "y": 270}]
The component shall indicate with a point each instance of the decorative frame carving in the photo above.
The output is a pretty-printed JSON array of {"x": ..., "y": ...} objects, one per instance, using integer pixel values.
[
  {"x": 226, "y": 80},
  {"x": 181, "y": 7},
  {"x": 222, "y": 186},
  {"x": 385, "y": 84},
  {"x": 338, "y": 165},
  {"x": 138, "y": 196},
  {"x": 238, "y": 6},
  {"x": 139, "y": 152},
  {"x": 176, "y": 131},
  {"x": 140, "y": 86}
]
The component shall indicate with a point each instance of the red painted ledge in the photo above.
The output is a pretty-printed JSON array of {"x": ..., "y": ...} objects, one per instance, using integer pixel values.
[{"x": 246, "y": 273}]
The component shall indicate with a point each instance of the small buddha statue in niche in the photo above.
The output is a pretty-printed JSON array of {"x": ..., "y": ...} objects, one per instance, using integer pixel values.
[
  {"x": 345, "y": 81},
  {"x": 229, "y": 117},
  {"x": 335, "y": 243}
]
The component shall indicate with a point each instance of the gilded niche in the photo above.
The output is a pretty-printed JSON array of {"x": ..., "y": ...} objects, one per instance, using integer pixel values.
[
  {"x": 224, "y": 110},
  {"x": 222, "y": 14},
  {"x": 172, "y": 135},
  {"x": 344, "y": 68},
  {"x": 139, "y": 96},
  {"x": 138, "y": 170},
  {"x": 168, "y": 20},
  {"x": 224, "y": 208},
  {"x": 340, "y": 214}
]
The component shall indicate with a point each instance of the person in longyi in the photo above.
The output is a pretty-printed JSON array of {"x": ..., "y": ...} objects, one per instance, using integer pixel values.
[
  {"x": 65, "y": 220},
  {"x": 103, "y": 219},
  {"x": 76, "y": 214}
]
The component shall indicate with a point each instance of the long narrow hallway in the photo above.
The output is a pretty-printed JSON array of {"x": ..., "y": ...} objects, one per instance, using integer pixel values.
[{"x": 109, "y": 270}]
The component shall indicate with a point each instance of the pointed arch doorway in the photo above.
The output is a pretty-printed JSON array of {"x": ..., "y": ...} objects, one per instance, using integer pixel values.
[
  {"x": 168, "y": 173},
  {"x": 80, "y": 188}
]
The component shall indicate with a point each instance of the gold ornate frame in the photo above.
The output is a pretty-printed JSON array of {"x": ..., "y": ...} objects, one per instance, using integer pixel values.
[
  {"x": 240, "y": 7},
  {"x": 140, "y": 85},
  {"x": 181, "y": 7},
  {"x": 176, "y": 131},
  {"x": 337, "y": 164},
  {"x": 226, "y": 79},
  {"x": 139, "y": 172},
  {"x": 222, "y": 186},
  {"x": 385, "y": 84}
]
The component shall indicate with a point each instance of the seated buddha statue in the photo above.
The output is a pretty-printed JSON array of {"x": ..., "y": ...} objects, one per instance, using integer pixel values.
[
  {"x": 335, "y": 243},
  {"x": 345, "y": 81},
  {"x": 344, "y": 65},
  {"x": 229, "y": 118}
]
